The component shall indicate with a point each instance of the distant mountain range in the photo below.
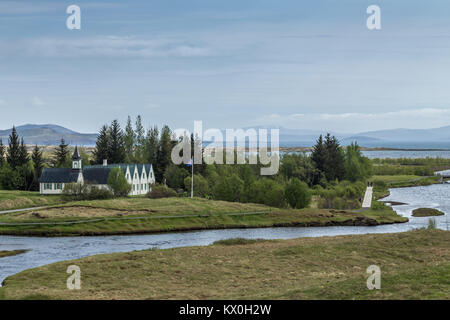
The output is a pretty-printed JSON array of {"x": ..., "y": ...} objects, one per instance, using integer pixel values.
[
  {"x": 438, "y": 138},
  {"x": 49, "y": 134}
]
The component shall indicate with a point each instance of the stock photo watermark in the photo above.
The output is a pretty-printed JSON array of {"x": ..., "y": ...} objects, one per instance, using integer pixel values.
[
  {"x": 73, "y": 22},
  {"x": 374, "y": 280},
  {"x": 374, "y": 20},
  {"x": 234, "y": 144},
  {"x": 74, "y": 280}
]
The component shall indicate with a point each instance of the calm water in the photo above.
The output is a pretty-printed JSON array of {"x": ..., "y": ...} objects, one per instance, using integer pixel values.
[
  {"x": 48, "y": 250},
  {"x": 395, "y": 154}
]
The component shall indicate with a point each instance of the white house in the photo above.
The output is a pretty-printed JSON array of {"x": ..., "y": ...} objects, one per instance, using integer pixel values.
[{"x": 53, "y": 180}]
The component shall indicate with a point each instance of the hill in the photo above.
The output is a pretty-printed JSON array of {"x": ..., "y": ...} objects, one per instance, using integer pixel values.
[{"x": 50, "y": 134}]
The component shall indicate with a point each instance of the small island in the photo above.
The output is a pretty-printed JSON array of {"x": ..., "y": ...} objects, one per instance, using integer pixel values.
[
  {"x": 426, "y": 212},
  {"x": 5, "y": 253}
]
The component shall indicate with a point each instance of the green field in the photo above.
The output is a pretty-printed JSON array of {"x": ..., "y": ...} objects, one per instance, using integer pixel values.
[
  {"x": 144, "y": 215},
  {"x": 414, "y": 265},
  {"x": 12, "y": 199}
]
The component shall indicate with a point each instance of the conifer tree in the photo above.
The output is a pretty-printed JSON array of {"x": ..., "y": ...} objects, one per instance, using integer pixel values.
[
  {"x": 334, "y": 166},
  {"x": 61, "y": 155},
  {"x": 140, "y": 139},
  {"x": 164, "y": 153},
  {"x": 13, "y": 154},
  {"x": 318, "y": 154},
  {"x": 116, "y": 149},
  {"x": 102, "y": 145},
  {"x": 151, "y": 146},
  {"x": 129, "y": 140},
  {"x": 38, "y": 164},
  {"x": 2, "y": 153},
  {"x": 23, "y": 154}
]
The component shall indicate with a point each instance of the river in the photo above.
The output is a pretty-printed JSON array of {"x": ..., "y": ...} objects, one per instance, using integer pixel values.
[{"x": 48, "y": 250}]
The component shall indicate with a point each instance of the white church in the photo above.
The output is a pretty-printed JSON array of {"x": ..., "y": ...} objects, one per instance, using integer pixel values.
[{"x": 139, "y": 176}]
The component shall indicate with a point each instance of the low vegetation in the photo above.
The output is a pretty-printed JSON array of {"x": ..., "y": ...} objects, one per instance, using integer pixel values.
[
  {"x": 12, "y": 199},
  {"x": 5, "y": 253},
  {"x": 426, "y": 212},
  {"x": 144, "y": 215},
  {"x": 414, "y": 265}
]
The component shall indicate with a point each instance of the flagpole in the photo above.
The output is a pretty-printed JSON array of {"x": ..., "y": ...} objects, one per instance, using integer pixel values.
[{"x": 192, "y": 179}]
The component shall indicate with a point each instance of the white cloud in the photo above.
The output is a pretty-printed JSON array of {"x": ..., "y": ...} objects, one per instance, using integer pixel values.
[
  {"x": 358, "y": 122},
  {"x": 105, "y": 46},
  {"x": 37, "y": 102}
]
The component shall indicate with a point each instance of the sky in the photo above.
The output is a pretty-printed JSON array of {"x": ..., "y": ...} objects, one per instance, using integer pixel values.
[{"x": 232, "y": 64}]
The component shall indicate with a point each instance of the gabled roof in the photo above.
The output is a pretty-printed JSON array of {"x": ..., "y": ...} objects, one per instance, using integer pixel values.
[
  {"x": 58, "y": 175},
  {"x": 96, "y": 175}
]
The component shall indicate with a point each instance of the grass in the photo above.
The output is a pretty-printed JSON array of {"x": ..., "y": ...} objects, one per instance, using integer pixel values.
[
  {"x": 426, "y": 212},
  {"x": 414, "y": 265},
  {"x": 143, "y": 215},
  {"x": 5, "y": 253},
  {"x": 14, "y": 199},
  {"x": 402, "y": 181}
]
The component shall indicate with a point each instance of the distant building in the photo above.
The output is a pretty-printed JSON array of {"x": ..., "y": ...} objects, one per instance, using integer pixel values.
[{"x": 53, "y": 180}]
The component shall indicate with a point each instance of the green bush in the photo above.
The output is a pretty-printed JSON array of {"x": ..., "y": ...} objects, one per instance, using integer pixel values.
[
  {"x": 297, "y": 194},
  {"x": 118, "y": 183},
  {"x": 266, "y": 191},
  {"x": 377, "y": 205},
  {"x": 161, "y": 191},
  {"x": 201, "y": 186},
  {"x": 77, "y": 191}
]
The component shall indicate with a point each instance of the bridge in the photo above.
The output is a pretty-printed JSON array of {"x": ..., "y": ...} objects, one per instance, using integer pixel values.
[{"x": 367, "y": 201}]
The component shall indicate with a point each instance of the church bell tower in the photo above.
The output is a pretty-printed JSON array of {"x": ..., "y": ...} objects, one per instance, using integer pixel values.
[{"x": 76, "y": 160}]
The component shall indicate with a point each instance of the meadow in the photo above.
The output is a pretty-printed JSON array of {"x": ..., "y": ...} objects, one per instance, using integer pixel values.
[{"x": 414, "y": 265}]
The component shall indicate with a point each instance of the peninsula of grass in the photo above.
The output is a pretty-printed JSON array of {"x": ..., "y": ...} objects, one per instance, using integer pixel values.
[
  {"x": 6, "y": 253},
  {"x": 144, "y": 215},
  {"x": 14, "y": 199},
  {"x": 426, "y": 212},
  {"x": 414, "y": 265}
]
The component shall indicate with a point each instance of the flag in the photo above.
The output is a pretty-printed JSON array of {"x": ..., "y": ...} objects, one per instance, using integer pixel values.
[{"x": 189, "y": 163}]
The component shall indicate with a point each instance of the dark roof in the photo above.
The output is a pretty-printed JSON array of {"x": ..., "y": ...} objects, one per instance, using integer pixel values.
[
  {"x": 96, "y": 175},
  {"x": 76, "y": 155},
  {"x": 124, "y": 166},
  {"x": 58, "y": 175}
]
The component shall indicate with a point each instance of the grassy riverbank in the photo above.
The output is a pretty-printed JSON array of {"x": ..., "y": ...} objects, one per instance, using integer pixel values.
[
  {"x": 15, "y": 199},
  {"x": 5, "y": 253},
  {"x": 414, "y": 265},
  {"x": 143, "y": 215}
]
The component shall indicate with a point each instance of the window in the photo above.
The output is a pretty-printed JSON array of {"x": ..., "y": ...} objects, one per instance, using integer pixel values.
[
  {"x": 48, "y": 186},
  {"x": 58, "y": 186},
  {"x": 134, "y": 187}
]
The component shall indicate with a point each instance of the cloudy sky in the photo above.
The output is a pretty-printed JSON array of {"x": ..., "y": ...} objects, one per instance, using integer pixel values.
[{"x": 234, "y": 63}]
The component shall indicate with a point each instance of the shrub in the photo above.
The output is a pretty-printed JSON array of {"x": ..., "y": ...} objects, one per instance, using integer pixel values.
[
  {"x": 229, "y": 188},
  {"x": 161, "y": 191},
  {"x": 201, "y": 187},
  {"x": 118, "y": 183},
  {"x": 377, "y": 205},
  {"x": 77, "y": 191},
  {"x": 267, "y": 191},
  {"x": 297, "y": 194}
]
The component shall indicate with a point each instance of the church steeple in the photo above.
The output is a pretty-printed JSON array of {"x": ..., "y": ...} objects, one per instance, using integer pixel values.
[{"x": 76, "y": 160}]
